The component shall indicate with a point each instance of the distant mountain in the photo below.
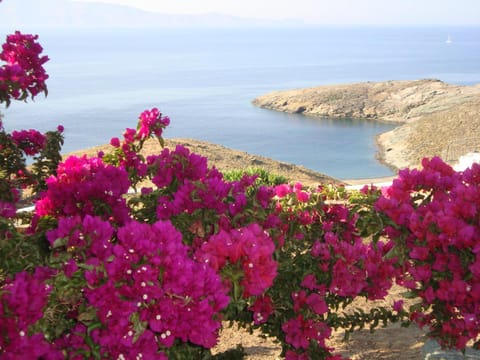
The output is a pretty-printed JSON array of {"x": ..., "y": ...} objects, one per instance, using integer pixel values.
[{"x": 61, "y": 13}]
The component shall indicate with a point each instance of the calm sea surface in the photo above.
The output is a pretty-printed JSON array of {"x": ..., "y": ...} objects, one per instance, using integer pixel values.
[{"x": 205, "y": 79}]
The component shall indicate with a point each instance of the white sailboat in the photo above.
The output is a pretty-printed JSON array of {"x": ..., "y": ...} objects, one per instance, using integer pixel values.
[{"x": 449, "y": 40}]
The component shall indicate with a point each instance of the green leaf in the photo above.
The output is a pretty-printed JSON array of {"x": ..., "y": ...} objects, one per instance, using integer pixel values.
[
  {"x": 416, "y": 307},
  {"x": 138, "y": 326},
  {"x": 93, "y": 326},
  {"x": 60, "y": 242},
  {"x": 409, "y": 295}
]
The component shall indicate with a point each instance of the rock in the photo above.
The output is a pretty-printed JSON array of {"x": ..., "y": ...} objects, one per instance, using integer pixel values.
[
  {"x": 433, "y": 351},
  {"x": 437, "y": 118},
  {"x": 466, "y": 161}
]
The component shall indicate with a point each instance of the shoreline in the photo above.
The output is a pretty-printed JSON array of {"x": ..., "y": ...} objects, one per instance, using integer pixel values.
[
  {"x": 358, "y": 184},
  {"x": 225, "y": 159},
  {"x": 369, "y": 181},
  {"x": 381, "y": 154}
]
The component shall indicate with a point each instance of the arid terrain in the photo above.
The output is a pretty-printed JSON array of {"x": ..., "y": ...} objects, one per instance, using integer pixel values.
[{"x": 390, "y": 343}]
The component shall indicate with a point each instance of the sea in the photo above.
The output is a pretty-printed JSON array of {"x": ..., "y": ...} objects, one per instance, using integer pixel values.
[{"x": 204, "y": 79}]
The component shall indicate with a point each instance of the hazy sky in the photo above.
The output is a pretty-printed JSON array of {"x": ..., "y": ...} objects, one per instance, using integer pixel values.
[{"x": 326, "y": 11}]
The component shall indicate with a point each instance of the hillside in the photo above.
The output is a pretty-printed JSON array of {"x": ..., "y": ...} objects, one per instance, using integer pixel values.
[{"x": 226, "y": 159}]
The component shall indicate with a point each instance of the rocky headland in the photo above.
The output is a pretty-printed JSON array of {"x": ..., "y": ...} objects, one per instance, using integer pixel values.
[{"x": 433, "y": 117}]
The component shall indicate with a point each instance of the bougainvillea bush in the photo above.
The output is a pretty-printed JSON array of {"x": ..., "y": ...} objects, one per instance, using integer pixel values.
[
  {"x": 435, "y": 218},
  {"x": 128, "y": 256},
  {"x": 154, "y": 271}
]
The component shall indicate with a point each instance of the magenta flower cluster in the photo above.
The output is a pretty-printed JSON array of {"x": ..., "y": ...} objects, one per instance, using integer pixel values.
[
  {"x": 248, "y": 252},
  {"x": 345, "y": 266},
  {"x": 16, "y": 176},
  {"x": 151, "y": 122},
  {"x": 31, "y": 142},
  {"x": 86, "y": 186},
  {"x": 142, "y": 285},
  {"x": 22, "y": 304},
  {"x": 436, "y": 222},
  {"x": 23, "y": 74},
  {"x": 357, "y": 268}
]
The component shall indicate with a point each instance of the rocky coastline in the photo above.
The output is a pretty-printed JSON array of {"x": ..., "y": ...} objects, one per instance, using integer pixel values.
[{"x": 434, "y": 118}]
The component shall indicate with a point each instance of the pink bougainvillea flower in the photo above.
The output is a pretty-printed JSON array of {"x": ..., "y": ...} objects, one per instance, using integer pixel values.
[
  {"x": 86, "y": 186},
  {"x": 262, "y": 308},
  {"x": 30, "y": 141}
]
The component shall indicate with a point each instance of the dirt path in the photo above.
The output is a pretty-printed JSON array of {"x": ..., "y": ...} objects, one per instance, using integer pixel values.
[{"x": 390, "y": 343}]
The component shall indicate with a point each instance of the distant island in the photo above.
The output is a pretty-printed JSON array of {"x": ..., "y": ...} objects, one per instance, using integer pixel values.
[
  {"x": 35, "y": 14},
  {"x": 434, "y": 118}
]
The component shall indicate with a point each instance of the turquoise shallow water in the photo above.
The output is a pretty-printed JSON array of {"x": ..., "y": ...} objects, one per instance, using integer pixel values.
[{"x": 205, "y": 79}]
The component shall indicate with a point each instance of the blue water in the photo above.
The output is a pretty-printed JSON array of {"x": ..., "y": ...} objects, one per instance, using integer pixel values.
[{"x": 205, "y": 79}]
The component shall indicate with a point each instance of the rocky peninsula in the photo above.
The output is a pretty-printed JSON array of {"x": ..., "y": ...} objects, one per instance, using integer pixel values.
[{"x": 433, "y": 117}]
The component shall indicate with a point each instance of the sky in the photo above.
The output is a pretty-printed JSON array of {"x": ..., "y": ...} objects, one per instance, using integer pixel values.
[{"x": 427, "y": 12}]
